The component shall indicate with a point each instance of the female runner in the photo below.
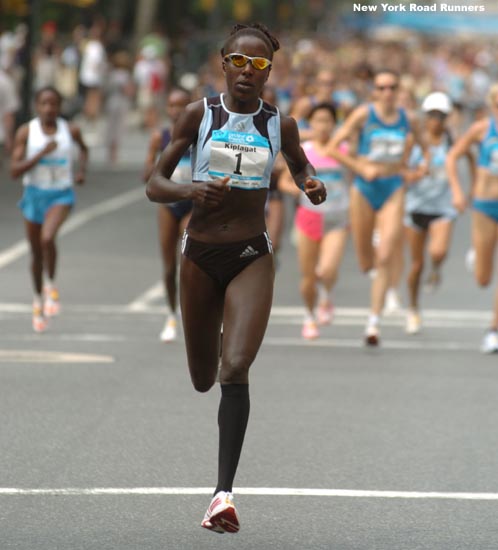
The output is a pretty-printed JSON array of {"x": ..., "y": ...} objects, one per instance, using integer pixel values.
[
  {"x": 227, "y": 266},
  {"x": 172, "y": 218},
  {"x": 384, "y": 134},
  {"x": 42, "y": 154},
  {"x": 429, "y": 212},
  {"x": 321, "y": 230},
  {"x": 484, "y": 134}
]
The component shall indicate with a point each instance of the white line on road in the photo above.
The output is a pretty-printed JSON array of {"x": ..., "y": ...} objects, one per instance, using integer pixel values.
[
  {"x": 143, "y": 302},
  {"x": 286, "y": 312},
  {"x": 349, "y": 343},
  {"x": 25, "y": 356},
  {"x": 253, "y": 491},
  {"x": 19, "y": 249}
]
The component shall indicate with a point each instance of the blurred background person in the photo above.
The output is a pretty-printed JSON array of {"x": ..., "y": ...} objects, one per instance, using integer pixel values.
[
  {"x": 119, "y": 90},
  {"x": 9, "y": 104},
  {"x": 93, "y": 73}
]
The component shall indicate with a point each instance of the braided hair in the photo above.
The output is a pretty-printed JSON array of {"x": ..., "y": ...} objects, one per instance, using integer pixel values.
[{"x": 255, "y": 29}]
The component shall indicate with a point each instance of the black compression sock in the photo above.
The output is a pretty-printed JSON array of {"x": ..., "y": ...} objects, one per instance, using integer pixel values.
[{"x": 233, "y": 415}]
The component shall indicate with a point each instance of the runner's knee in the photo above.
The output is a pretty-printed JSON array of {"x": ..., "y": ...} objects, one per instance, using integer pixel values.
[
  {"x": 47, "y": 241},
  {"x": 438, "y": 256},
  {"x": 417, "y": 267},
  {"x": 235, "y": 369}
]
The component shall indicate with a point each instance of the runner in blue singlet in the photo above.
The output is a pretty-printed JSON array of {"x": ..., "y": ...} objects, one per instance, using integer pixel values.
[
  {"x": 384, "y": 134},
  {"x": 484, "y": 134}
]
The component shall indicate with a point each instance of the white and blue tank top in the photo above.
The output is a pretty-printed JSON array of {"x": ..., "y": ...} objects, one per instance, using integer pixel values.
[
  {"x": 381, "y": 142},
  {"x": 240, "y": 146},
  {"x": 432, "y": 193},
  {"x": 488, "y": 149},
  {"x": 54, "y": 170}
]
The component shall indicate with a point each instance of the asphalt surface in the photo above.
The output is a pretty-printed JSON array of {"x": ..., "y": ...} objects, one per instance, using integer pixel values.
[{"x": 102, "y": 434}]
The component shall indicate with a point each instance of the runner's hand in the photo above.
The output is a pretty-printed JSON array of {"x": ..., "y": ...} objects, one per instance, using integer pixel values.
[
  {"x": 79, "y": 177},
  {"x": 210, "y": 194},
  {"x": 51, "y": 146},
  {"x": 459, "y": 201},
  {"x": 315, "y": 190}
]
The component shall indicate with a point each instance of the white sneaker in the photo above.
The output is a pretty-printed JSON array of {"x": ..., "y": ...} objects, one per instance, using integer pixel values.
[
  {"x": 169, "y": 332},
  {"x": 470, "y": 260},
  {"x": 393, "y": 303},
  {"x": 325, "y": 313},
  {"x": 413, "y": 323},
  {"x": 490, "y": 342},
  {"x": 221, "y": 516}
]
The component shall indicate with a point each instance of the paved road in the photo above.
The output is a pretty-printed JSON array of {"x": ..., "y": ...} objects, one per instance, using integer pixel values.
[{"x": 106, "y": 446}]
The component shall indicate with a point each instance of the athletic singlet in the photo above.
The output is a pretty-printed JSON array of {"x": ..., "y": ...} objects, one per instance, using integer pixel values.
[
  {"x": 183, "y": 170},
  {"x": 54, "y": 170},
  {"x": 241, "y": 146},
  {"x": 432, "y": 193},
  {"x": 488, "y": 149},
  {"x": 331, "y": 173},
  {"x": 381, "y": 142}
]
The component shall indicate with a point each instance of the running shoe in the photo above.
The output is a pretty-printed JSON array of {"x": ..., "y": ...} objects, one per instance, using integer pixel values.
[
  {"x": 372, "y": 335},
  {"x": 393, "y": 303},
  {"x": 221, "y": 516},
  {"x": 310, "y": 330},
  {"x": 51, "y": 305},
  {"x": 413, "y": 323},
  {"x": 433, "y": 281},
  {"x": 490, "y": 342},
  {"x": 39, "y": 321},
  {"x": 325, "y": 313},
  {"x": 168, "y": 334},
  {"x": 470, "y": 260}
]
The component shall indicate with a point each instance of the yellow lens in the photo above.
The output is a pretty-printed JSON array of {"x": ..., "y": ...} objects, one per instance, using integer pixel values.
[
  {"x": 260, "y": 63},
  {"x": 239, "y": 60}
]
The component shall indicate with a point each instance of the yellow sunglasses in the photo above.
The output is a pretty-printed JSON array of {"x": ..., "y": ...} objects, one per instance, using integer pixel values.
[{"x": 240, "y": 60}]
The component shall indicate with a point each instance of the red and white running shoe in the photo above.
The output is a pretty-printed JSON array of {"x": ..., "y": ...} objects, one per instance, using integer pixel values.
[
  {"x": 39, "y": 321},
  {"x": 51, "y": 306},
  {"x": 221, "y": 516}
]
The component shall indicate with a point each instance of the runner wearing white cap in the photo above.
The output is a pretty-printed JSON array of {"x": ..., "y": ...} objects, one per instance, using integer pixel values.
[{"x": 429, "y": 212}]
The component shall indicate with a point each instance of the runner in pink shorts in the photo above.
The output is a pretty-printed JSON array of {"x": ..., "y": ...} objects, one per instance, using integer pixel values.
[{"x": 321, "y": 230}]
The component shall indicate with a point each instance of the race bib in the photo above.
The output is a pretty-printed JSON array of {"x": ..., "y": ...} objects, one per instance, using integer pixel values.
[
  {"x": 386, "y": 145},
  {"x": 54, "y": 171},
  {"x": 241, "y": 156}
]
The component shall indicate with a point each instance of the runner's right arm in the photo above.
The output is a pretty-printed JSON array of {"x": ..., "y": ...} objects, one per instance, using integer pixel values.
[
  {"x": 18, "y": 163},
  {"x": 461, "y": 147},
  {"x": 160, "y": 188}
]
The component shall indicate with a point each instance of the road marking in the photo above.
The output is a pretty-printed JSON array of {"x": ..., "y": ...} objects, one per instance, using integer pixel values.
[
  {"x": 143, "y": 302},
  {"x": 253, "y": 491},
  {"x": 57, "y": 337},
  {"x": 21, "y": 248},
  {"x": 285, "y": 312},
  {"x": 24, "y": 356},
  {"x": 357, "y": 343}
]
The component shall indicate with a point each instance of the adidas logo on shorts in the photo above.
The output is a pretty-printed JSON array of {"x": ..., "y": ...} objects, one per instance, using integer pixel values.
[{"x": 249, "y": 251}]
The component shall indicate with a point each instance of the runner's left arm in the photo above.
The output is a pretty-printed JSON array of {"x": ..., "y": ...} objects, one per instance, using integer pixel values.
[
  {"x": 83, "y": 156},
  {"x": 302, "y": 171}
]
